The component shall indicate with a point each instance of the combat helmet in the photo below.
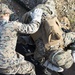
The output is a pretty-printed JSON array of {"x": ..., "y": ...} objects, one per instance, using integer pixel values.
[{"x": 4, "y": 9}]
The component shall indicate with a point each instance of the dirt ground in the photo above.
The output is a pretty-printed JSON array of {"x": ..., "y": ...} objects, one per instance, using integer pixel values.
[{"x": 66, "y": 6}]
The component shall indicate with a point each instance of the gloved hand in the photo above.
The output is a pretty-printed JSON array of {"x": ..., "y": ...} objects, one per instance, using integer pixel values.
[
  {"x": 61, "y": 58},
  {"x": 52, "y": 67},
  {"x": 36, "y": 15}
]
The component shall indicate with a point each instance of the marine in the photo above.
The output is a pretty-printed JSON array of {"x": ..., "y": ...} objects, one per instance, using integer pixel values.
[
  {"x": 47, "y": 53},
  {"x": 12, "y": 62}
]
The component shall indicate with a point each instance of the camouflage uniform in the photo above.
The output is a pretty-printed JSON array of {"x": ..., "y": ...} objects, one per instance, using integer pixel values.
[
  {"x": 68, "y": 35},
  {"x": 12, "y": 62},
  {"x": 41, "y": 51},
  {"x": 69, "y": 41},
  {"x": 48, "y": 9},
  {"x": 69, "y": 38}
]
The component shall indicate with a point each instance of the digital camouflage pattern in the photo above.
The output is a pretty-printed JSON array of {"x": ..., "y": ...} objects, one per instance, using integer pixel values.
[
  {"x": 69, "y": 38},
  {"x": 4, "y": 9},
  {"x": 48, "y": 9},
  {"x": 42, "y": 36},
  {"x": 9, "y": 59}
]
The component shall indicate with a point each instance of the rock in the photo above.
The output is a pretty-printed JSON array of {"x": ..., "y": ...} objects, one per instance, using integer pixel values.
[{"x": 32, "y": 3}]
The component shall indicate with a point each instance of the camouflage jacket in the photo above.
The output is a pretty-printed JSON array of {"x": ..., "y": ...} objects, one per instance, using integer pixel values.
[
  {"x": 8, "y": 39},
  {"x": 48, "y": 10}
]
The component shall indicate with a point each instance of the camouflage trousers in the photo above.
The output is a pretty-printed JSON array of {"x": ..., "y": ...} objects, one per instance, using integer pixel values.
[
  {"x": 12, "y": 62},
  {"x": 23, "y": 68}
]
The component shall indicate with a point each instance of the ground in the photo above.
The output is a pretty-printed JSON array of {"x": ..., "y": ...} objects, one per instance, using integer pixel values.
[{"x": 64, "y": 8}]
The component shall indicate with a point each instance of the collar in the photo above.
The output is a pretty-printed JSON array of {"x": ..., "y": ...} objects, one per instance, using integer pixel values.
[{"x": 3, "y": 22}]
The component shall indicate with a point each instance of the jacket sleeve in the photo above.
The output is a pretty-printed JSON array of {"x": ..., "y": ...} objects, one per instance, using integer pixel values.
[{"x": 30, "y": 28}]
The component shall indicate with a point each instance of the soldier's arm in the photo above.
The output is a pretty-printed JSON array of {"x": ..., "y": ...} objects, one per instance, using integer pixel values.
[
  {"x": 28, "y": 28},
  {"x": 34, "y": 25}
]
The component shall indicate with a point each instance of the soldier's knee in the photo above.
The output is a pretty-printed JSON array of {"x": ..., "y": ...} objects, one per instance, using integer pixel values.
[{"x": 62, "y": 59}]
